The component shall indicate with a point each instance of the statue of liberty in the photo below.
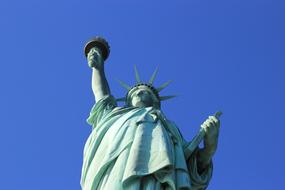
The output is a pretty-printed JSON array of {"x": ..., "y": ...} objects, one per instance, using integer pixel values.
[{"x": 135, "y": 147}]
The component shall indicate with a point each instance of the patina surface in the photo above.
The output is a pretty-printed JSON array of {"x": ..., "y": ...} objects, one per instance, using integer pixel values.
[{"x": 136, "y": 146}]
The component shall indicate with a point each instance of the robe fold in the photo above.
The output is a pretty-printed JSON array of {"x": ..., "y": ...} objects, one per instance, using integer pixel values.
[{"x": 135, "y": 149}]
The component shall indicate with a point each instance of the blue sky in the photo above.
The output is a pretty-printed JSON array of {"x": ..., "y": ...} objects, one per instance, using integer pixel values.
[{"x": 221, "y": 55}]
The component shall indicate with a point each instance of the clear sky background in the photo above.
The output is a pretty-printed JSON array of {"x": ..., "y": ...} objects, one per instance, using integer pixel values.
[{"x": 221, "y": 55}]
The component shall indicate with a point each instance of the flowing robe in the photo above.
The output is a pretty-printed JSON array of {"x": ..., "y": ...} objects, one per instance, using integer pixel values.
[{"x": 135, "y": 149}]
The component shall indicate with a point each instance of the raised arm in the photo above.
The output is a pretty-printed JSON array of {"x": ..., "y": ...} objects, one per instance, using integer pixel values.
[{"x": 100, "y": 84}]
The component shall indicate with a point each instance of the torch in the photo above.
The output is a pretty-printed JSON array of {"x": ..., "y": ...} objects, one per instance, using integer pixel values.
[{"x": 99, "y": 43}]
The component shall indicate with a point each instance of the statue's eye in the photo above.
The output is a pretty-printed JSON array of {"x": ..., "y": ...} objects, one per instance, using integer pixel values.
[{"x": 140, "y": 93}]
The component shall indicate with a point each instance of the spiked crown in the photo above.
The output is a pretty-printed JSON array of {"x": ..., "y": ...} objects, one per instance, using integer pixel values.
[{"x": 147, "y": 86}]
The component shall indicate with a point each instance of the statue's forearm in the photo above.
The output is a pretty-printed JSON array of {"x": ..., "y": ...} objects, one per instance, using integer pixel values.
[{"x": 100, "y": 84}]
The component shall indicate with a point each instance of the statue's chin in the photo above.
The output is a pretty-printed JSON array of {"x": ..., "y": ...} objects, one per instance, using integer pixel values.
[{"x": 142, "y": 104}]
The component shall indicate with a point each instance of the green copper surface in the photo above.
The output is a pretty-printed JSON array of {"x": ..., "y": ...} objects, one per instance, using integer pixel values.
[{"x": 136, "y": 147}]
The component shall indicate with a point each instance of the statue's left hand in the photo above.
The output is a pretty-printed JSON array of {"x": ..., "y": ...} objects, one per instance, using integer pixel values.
[{"x": 211, "y": 127}]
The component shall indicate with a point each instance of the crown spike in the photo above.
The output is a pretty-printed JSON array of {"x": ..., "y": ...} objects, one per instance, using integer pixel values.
[
  {"x": 123, "y": 84},
  {"x": 137, "y": 74},
  {"x": 153, "y": 76},
  {"x": 162, "y": 98},
  {"x": 123, "y": 99},
  {"x": 164, "y": 85}
]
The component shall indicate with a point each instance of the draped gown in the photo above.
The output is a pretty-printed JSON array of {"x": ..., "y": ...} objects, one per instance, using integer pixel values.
[{"x": 137, "y": 149}]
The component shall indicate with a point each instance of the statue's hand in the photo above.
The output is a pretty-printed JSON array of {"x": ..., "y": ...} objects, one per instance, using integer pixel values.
[
  {"x": 95, "y": 58},
  {"x": 211, "y": 127}
]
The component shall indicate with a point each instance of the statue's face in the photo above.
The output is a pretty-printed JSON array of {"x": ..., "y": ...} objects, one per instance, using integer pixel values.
[{"x": 142, "y": 98}]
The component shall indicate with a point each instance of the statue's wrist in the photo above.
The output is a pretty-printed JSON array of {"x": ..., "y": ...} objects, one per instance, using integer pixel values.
[
  {"x": 206, "y": 154},
  {"x": 93, "y": 65},
  {"x": 211, "y": 148},
  {"x": 99, "y": 71}
]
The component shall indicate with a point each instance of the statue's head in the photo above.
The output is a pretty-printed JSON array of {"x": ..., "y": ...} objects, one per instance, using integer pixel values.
[{"x": 144, "y": 94}]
